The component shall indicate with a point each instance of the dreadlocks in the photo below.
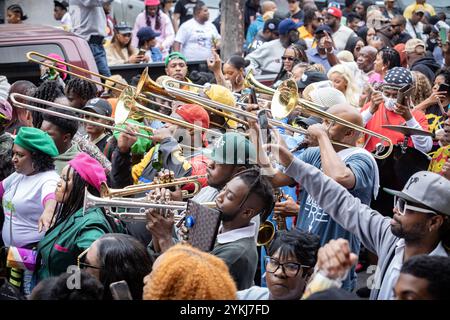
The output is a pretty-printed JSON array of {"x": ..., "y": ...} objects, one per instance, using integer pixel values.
[
  {"x": 84, "y": 89},
  {"x": 261, "y": 187},
  {"x": 49, "y": 90}
]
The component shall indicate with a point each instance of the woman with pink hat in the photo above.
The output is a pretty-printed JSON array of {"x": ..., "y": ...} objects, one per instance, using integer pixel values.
[
  {"x": 74, "y": 229},
  {"x": 160, "y": 22}
]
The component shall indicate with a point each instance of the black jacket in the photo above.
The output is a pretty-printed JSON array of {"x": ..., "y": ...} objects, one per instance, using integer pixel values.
[{"x": 428, "y": 66}]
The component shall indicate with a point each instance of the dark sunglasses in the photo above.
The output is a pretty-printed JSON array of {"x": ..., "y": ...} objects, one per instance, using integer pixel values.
[{"x": 287, "y": 58}]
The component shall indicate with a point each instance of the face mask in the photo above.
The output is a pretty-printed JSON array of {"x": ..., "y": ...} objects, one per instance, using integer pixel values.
[{"x": 389, "y": 103}]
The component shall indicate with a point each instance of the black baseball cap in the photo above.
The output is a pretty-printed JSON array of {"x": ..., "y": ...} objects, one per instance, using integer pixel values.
[
  {"x": 99, "y": 106},
  {"x": 322, "y": 28},
  {"x": 311, "y": 77},
  {"x": 272, "y": 25}
]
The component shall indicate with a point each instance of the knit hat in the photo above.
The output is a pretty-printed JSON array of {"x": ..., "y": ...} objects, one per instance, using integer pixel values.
[
  {"x": 327, "y": 97},
  {"x": 232, "y": 148},
  {"x": 174, "y": 55},
  {"x": 4, "y": 87},
  {"x": 34, "y": 139},
  {"x": 89, "y": 169},
  {"x": 142, "y": 144}
]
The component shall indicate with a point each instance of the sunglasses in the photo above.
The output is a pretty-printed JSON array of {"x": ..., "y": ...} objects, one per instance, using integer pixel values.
[
  {"x": 80, "y": 261},
  {"x": 287, "y": 58},
  {"x": 402, "y": 205}
]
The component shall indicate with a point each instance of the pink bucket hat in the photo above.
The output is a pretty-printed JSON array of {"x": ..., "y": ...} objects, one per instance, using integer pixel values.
[
  {"x": 59, "y": 65},
  {"x": 89, "y": 169}
]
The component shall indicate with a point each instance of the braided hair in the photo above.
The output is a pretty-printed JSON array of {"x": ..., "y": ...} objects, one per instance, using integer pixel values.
[
  {"x": 300, "y": 56},
  {"x": 83, "y": 88},
  {"x": 260, "y": 186},
  {"x": 75, "y": 200},
  {"x": 157, "y": 20},
  {"x": 49, "y": 90}
]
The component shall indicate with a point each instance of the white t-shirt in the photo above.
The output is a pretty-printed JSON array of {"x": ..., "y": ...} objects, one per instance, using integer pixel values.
[
  {"x": 24, "y": 197},
  {"x": 196, "y": 39},
  {"x": 341, "y": 36}
]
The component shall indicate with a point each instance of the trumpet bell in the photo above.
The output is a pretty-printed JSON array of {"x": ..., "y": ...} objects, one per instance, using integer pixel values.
[
  {"x": 127, "y": 107},
  {"x": 147, "y": 84},
  {"x": 266, "y": 233},
  {"x": 251, "y": 82},
  {"x": 284, "y": 100}
]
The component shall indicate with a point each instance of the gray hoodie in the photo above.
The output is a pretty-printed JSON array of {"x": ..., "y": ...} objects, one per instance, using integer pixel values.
[
  {"x": 368, "y": 225},
  {"x": 88, "y": 18}
]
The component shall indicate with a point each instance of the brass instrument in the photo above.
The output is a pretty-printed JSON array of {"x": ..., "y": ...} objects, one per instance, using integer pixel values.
[
  {"x": 266, "y": 233},
  {"x": 126, "y": 108},
  {"x": 286, "y": 98},
  {"x": 141, "y": 96},
  {"x": 106, "y": 192},
  {"x": 251, "y": 82},
  {"x": 91, "y": 201}
]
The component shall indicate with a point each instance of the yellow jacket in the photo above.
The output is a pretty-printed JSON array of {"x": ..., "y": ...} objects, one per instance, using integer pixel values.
[{"x": 412, "y": 7}]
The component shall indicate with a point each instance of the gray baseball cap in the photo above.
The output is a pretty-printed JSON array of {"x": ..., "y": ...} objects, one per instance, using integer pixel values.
[{"x": 426, "y": 188}]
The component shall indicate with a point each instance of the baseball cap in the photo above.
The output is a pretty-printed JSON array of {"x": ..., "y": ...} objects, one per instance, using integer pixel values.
[
  {"x": 99, "y": 106},
  {"x": 323, "y": 28},
  {"x": 271, "y": 24},
  {"x": 232, "y": 148},
  {"x": 123, "y": 28},
  {"x": 412, "y": 44},
  {"x": 62, "y": 4},
  {"x": 287, "y": 25},
  {"x": 174, "y": 55},
  {"x": 311, "y": 77},
  {"x": 427, "y": 188},
  {"x": 335, "y": 12},
  {"x": 419, "y": 8},
  {"x": 147, "y": 33}
]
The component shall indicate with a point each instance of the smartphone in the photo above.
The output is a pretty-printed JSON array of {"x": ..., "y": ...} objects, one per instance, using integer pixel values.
[
  {"x": 444, "y": 87},
  {"x": 404, "y": 93},
  {"x": 443, "y": 35},
  {"x": 141, "y": 52},
  {"x": 120, "y": 290},
  {"x": 253, "y": 98}
]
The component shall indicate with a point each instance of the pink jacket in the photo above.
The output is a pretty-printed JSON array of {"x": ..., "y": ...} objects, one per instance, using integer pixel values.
[{"x": 167, "y": 33}]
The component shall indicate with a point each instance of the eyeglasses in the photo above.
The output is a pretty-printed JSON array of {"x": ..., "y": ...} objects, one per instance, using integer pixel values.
[
  {"x": 83, "y": 265},
  {"x": 290, "y": 269},
  {"x": 287, "y": 58},
  {"x": 402, "y": 205}
]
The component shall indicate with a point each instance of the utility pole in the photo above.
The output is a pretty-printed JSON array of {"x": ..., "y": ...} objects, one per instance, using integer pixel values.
[{"x": 232, "y": 28}]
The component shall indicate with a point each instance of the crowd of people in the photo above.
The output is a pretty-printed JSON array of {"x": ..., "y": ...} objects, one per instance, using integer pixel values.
[{"x": 356, "y": 174}]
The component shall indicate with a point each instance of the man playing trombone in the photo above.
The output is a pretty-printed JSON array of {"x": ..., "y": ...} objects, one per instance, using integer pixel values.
[{"x": 354, "y": 168}]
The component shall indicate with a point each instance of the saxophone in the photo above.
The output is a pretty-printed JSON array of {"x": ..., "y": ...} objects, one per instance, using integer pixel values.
[{"x": 279, "y": 220}]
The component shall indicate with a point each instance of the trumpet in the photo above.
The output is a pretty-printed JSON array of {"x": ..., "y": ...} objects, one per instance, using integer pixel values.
[
  {"x": 107, "y": 192},
  {"x": 91, "y": 201}
]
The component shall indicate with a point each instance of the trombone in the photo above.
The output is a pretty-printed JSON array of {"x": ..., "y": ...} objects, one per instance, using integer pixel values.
[
  {"x": 107, "y": 192},
  {"x": 284, "y": 100},
  {"x": 142, "y": 97},
  {"x": 91, "y": 201}
]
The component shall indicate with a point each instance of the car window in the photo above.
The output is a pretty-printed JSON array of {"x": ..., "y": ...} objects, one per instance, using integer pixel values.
[{"x": 17, "y": 53}]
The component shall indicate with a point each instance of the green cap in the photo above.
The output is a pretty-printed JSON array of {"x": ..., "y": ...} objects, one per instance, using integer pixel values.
[
  {"x": 142, "y": 144},
  {"x": 34, "y": 139},
  {"x": 232, "y": 148},
  {"x": 174, "y": 55}
]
